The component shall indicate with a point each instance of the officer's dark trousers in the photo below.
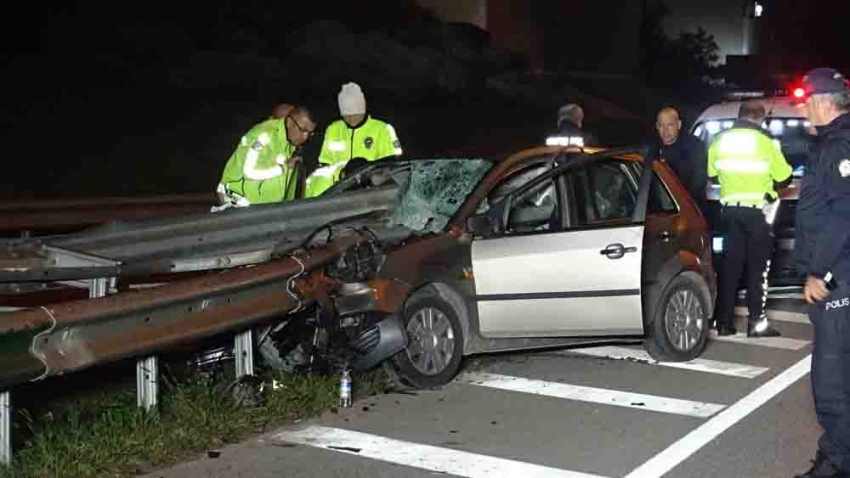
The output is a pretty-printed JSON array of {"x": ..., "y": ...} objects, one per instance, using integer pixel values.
[
  {"x": 831, "y": 374},
  {"x": 747, "y": 240}
]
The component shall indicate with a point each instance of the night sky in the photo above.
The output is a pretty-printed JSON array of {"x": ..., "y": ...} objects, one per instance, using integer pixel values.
[{"x": 114, "y": 98}]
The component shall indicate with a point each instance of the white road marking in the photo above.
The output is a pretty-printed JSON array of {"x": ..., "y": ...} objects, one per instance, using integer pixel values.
[
  {"x": 796, "y": 296},
  {"x": 778, "y": 315},
  {"x": 772, "y": 342},
  {"x": 698, "y": 364},
  {"x": 785, "y": 316},
  {"x": 678, "y": 452},
  {"x": 590, "y": 394},
  {"x": 427, "y": 457}
]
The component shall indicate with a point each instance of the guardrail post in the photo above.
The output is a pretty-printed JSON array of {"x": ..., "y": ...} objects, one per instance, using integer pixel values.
[
  {"x": 147, "y": 369},
  {"x": 147, "y": 382},
  {"x": 244, "y": 347},
  {"x": 5, "y": 427}
]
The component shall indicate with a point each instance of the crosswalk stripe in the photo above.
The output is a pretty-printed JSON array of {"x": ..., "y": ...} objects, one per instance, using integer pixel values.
[
  {"x": 426, "y": 457},
  {"x": 785, "y": 316},
  {"x": 590, "y": 394},
  {"x": 778, "y": 315},
  {"x": 697, "y": 365},
  {"x": 772, "y": 342},
  {"x": 661, "y": 464}
]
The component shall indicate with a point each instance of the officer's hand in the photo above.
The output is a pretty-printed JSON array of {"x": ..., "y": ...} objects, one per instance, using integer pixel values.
[{"x": 815, "y": 290}]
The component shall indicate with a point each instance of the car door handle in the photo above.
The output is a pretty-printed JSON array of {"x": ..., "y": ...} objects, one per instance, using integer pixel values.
[{"x": 616, "y": 251}]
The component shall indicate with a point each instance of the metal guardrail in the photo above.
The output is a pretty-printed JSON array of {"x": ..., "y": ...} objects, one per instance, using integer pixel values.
[
  {"x": 66, "y": 337},
  {"x": 78, "y": 213},
  {"x": 197, "y": 242}
]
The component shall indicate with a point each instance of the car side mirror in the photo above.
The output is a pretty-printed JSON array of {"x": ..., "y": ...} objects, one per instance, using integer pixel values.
[{"x": 481, "y": 225}]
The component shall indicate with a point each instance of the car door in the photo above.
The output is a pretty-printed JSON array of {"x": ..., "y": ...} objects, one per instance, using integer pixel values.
[{"x": 579, "y": 275}]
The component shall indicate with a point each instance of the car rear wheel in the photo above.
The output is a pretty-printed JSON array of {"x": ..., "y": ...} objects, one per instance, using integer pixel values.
[
  {"x": 679, "y": 330},
  {"x": 435, "y": 342}
]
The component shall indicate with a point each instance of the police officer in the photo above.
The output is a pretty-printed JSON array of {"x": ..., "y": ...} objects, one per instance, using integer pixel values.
[
  {"x": 262, "y": 167},
  {"x": 355, "y": 135},
  {"x": 570, "y": 128},
  {"x": 750, "y": 167},
  {"x": 823, "y": 249}
]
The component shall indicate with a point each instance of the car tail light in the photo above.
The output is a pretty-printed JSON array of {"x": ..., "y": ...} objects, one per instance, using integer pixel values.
[{"x": 799, "y": 93}]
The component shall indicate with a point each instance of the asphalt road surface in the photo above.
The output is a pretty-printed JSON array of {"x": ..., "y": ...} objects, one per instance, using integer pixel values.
[{"x": 743, "y": 409}]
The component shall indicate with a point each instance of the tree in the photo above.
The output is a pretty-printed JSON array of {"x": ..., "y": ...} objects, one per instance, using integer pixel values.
[{"x": 682, "y": 67}]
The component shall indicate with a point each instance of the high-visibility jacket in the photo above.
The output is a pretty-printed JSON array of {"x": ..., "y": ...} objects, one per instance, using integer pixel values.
[
  {"x": 747, "y": 162},
  {"x": 256, "y": 172},
  {"x": 372, "y": 139}
]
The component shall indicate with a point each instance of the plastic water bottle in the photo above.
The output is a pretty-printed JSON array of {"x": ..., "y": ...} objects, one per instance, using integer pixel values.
[{"x": 345, "y": 390}]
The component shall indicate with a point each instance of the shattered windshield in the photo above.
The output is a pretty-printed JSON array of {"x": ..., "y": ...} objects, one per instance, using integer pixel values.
[{"x": 430, "y": 191}]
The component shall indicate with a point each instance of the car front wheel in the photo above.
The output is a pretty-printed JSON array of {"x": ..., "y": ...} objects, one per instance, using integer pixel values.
[
  {"x": 435, "y": 342},
  {"x": 679, "y": 330}
]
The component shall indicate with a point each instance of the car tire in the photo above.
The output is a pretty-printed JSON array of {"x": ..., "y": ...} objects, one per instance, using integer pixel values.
[
  {"x": 434, "y": 351},
  {"x": 679, "y": 330}
]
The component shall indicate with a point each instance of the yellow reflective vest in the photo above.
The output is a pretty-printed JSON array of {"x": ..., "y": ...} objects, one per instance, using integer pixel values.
[
  {"x": 256, "y": 172},
  {"x": 371, "y": 140},
  {"x": 747, "y": 161}
]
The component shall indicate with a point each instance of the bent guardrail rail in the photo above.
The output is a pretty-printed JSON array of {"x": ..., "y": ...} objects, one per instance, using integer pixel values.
[
  {"x": 46, "y": 341},
  {"x": 41, "y": 215},
  {"x": 197, "y": 242}
]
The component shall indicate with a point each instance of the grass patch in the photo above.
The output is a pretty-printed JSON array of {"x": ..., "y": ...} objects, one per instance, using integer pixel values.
[{"x": 103, "y": 434}]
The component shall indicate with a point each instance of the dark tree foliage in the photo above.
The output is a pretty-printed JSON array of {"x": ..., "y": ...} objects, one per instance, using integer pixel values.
[{"x": 684, "y": 65}]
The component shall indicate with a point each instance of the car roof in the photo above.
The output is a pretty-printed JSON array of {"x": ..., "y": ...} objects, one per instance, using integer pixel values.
[{"x": 779, "y": 106}]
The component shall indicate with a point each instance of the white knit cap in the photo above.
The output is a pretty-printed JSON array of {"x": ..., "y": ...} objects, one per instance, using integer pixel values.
[{"x": 351, "y": 100}]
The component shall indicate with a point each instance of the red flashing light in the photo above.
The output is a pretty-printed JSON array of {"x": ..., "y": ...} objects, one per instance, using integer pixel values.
[{"x": 799, "y": 92}]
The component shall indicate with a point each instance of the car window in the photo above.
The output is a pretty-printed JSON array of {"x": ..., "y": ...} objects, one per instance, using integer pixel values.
[
  {"x": 535, "y": 209},
  {"x": 660, "y": 199},
  {"x": 513, "y": 181},
  {"x": 601, "y": 192},
  {"x": 613, "y": 193}
]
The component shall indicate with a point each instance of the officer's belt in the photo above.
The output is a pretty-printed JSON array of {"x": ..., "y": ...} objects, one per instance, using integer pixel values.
[{"x": 740, "y": 204}]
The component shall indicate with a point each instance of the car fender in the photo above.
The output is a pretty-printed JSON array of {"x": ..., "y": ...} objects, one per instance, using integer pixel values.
[
  {"x": 461, "y": 306},
  {"x": 685, "y": 262}
]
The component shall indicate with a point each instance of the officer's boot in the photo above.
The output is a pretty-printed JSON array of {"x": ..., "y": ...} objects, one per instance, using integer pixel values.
[{"x": 823, "y": 468}]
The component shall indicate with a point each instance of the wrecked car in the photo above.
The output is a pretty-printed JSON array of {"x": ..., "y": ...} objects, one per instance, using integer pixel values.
[{"x": 550, "y": 247}]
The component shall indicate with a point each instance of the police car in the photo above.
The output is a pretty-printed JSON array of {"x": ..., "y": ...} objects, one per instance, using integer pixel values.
[{"x": 786, "y": 121}]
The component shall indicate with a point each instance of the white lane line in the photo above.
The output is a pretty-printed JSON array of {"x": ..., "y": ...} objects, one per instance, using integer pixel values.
[
  {"x": 772, "y": 342},
  {"x": 590, "y": 394},
  {"x": 427, "y": 457},
  {"x": 785, "y": 316},
  {"x": 697, "y": 365},
  {"x": 778, "y": 315},
  {"x": 678, "y": 452}
]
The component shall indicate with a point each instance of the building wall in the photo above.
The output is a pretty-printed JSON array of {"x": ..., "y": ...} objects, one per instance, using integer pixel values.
[
  {"x": 574, "y": 35},
  {"x": 461, "y": 11}
]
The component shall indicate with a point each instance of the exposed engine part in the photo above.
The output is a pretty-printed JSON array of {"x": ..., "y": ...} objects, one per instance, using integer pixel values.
[{"x": 359, "y": 263}]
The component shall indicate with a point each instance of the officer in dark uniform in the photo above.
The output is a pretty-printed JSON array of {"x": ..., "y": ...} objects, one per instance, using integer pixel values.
[
  {"x": 823, "y": 247},
  {"x": 686, "y": 154}
]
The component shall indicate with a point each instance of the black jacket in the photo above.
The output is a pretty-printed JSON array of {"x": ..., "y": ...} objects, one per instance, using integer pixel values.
[
  {"x": 823, "y": 209},
  {"x": 688, "y": 157}
]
